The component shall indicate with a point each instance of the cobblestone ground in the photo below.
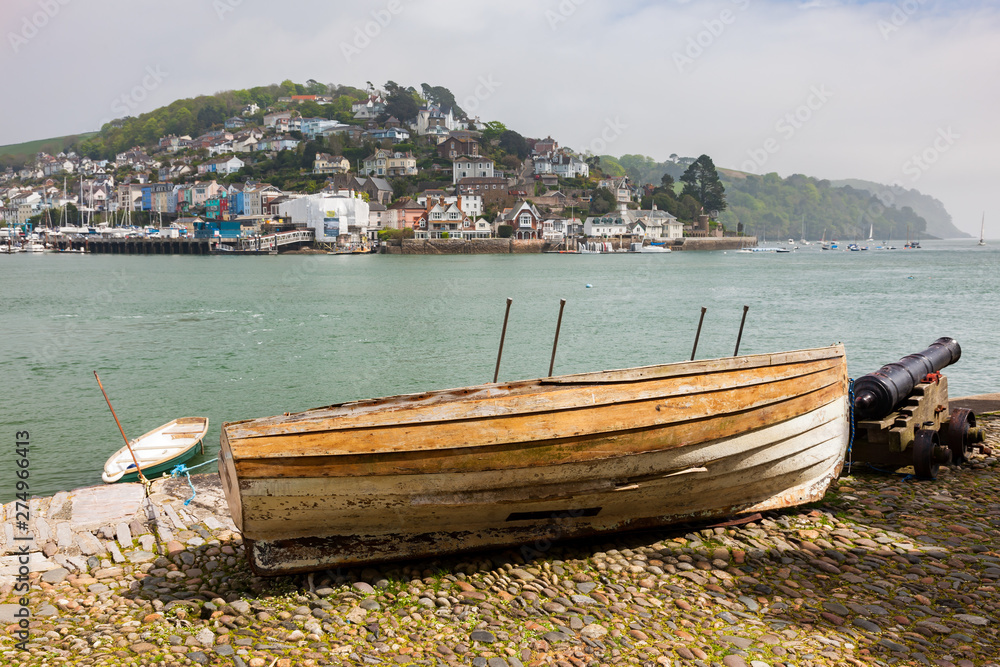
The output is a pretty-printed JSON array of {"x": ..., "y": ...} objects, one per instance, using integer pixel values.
[{"x": 885, "y": 570}]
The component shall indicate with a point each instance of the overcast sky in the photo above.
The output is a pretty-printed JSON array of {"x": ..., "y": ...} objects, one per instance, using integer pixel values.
[{"x": 904, "y": 91}]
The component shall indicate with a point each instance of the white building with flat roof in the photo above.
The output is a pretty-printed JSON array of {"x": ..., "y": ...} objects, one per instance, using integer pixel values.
[{"x": 336, "y": 218}]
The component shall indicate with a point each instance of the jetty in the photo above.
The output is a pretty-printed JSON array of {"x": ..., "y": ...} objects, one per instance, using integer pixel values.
[{"x": 252, "y": 245}]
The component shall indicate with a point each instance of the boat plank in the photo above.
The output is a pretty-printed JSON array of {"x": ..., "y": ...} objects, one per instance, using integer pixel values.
[
  {"x": 702, "y": 367},
  {"x": 562, "y": 397},
  {"x": 517, "y": 455},
  {"x": 358, "y": 501},
  {"x": 289, "y": 517},
  {"x": 551, "y": 481},
  {"x": 821, "y": 424},
  {"x": 581, "y": 423},
  {"x": 276, "y": 556}
]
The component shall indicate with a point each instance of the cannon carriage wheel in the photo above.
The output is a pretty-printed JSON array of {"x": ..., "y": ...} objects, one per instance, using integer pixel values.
[
  {"x": 928, "y": 455},
  {"x": 956, "y": 436}
]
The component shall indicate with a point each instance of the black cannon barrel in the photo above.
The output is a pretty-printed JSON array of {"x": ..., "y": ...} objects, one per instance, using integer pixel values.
[{"x": 879, "y": 393}]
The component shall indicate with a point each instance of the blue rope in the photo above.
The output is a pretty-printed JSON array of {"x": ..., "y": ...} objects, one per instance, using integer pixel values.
[
  {"x": 199, "y": 465},
  {"x": 906, "y": 476},
  {"x": 182, "y": 469},
  {"x": 850, "y": 407}
]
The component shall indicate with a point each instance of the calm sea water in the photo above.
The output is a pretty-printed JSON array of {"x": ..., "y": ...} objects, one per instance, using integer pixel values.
[{"x": 238, "y": 337}]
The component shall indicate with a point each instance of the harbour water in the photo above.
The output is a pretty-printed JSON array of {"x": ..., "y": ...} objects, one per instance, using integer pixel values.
[{"x": 239, "y": 337}]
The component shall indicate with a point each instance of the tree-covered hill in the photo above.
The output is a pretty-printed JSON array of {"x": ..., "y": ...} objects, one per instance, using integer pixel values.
[
  {"x": 780, "y": 208},
  {"x": 197, "y": 115},
  {"x": 939, "y": 221},
  {"x": 18, "y": 155}
]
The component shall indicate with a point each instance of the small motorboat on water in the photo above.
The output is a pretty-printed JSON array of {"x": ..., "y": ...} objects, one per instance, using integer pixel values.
[
  {"x": 652, "y": 248},
  {"x": 158, "y": 451}
]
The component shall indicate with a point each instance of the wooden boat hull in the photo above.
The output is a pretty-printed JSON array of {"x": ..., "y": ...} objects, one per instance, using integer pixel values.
[
  {"x": 528, "y": 462},
  {"x": 158, "y": 451}
]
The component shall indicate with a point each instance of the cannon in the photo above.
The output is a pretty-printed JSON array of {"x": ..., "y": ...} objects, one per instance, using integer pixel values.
[{"x": 902, "y": 417}]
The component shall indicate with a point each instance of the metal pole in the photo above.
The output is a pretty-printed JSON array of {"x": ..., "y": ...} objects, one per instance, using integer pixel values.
[
  {"x": 740, "y": 336},
  {"x": 555, "y": 342},
  {"x": 503, "y": 334},
  {"x": 698, "y": 334}
]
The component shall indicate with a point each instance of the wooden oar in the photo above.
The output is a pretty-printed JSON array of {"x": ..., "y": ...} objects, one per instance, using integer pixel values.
[{"x": 120, "y": 429}]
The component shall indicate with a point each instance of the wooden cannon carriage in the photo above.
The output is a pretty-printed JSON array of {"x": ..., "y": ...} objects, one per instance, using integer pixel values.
[{"x": 902, "y": 416}]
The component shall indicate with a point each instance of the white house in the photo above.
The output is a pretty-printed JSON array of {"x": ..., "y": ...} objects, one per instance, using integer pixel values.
[
  {"x": 431, "y": 117},
  {"x": 313, "y": 127},
  {"x": 569, "y": 166},
  {"x": 471, "y": 167},
  {"x": 611, "y": 224},
  {"x": 272, "y": 119},
  {"x": 228, "y": 166},
  {"x": 220, "y": 146},
  {"x": 471, "y": 205},
  {"x": 619, "y": 187},
  {"x": 370, "y": 108},
  {"x": 659, "y": 224},
  {"x": 394, "y": 134}
]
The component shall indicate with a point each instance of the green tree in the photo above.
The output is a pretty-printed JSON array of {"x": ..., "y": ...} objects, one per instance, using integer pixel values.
[
  {"x": 505, "y": 231},
  {"x": 612, "y": 167},
  {"x": 493, "y": 130},
  {"x": 212, "y": 113},
  {"x": 602, "y": 201},
  {"x": 444, "y": 97},
  {"x": 310, "y": 109},
  {"x": 514, "y": 143},
  {"x": 314, "y": 87},
  {"x": 701, "y": 181},
  {"x": 688, "y": 208},
  {"x": 401, "y": 105}
]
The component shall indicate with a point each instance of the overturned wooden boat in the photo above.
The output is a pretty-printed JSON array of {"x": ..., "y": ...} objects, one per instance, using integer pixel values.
[
  {"x": 522, "y": 463},
  {"x": 158, "y": 451}
]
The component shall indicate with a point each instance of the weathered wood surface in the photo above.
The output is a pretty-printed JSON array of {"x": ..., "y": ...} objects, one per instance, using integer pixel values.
[{"x": 498, "y": 464}]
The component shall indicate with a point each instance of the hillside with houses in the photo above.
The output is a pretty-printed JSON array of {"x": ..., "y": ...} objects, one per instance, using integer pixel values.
[{"x": 357, "y": 166}]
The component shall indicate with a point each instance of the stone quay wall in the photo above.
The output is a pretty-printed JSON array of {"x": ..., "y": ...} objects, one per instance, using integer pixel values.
[{"x": 465, "y": 247}]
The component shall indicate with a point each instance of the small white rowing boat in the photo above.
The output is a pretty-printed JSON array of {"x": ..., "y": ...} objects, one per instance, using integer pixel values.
[{"x": 158, "y": 451}]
